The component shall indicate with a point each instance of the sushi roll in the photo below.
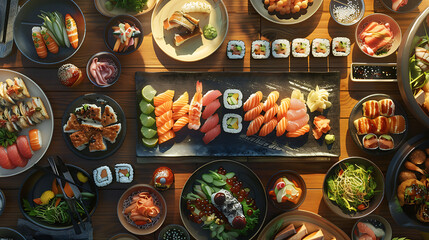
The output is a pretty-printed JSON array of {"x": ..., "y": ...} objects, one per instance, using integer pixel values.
[
  {"x": 397, "y": 124},
  {"x": 102, "y": 176},
  {"x": 370, "y": 141},
  {"x": 385, "y": 142},
  {"x": 232, "y": 99},
  {"x": 281, "y": 48},
  {"x": 382, "y": 124},
  {"x": 340, "y": 46},
  {"x": 231, "y": 123},
  {"x": 365, "y": 125},
  {"x": 300, "y": 47},
  {"x": 320, "y": 47},
  {"x": 387, "y": 107},
  {"x": 371, "y": 109},
  {"x": 124, "y": 173},
  {"x": 260, "y": 49},
  {"x": 235, "y": 49}
]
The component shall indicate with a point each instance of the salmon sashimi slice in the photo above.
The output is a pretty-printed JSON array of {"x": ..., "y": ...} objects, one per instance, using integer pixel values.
[
  {"x": 305, "y": 129},
  {"x": 271, "y": 100},
  {"x": 211, "y": 109},
  {"x": 268, "y": 127},
  {"x": 182, "y": 112},
  {"x": 396, "y": 4},
  {"x": 292, "y": 126},
  {"x": 163, "y": 108},
  {"x": 212, "y": 134},
  {"x": 196, "y": 107},
  {"x": 255, "y": 125},
  {"x": 165, "y": 137},
  {"x": 166, "y": 127},
  {"x": 210, "y": 96},
  {"x": 161, "y": 120},
  {"x": 281, "y": 127},
  {"x": 271, "y": 113},
  {"x": 252, "y": 101},
  {"x": 163, "y": 97},
  {"x": 181, "y": 102},
  {"x": 253, "y": 113},
  {"x": 180, "y": 123},
  {"x": 376, "y": 36},
  {"x": 283, "y": 108}
]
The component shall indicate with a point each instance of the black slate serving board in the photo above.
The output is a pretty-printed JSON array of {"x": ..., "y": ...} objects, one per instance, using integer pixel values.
[{"x": 189, "y": 142}]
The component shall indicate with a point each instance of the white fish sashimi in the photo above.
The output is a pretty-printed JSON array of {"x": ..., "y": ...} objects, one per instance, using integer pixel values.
[
  {"x": 296, "y": 104},
  {"x": 296, "y": 114},
  {"x": 292, "y": 126},
  {"x": 196, "y": 7},
  {"x": 379, "y": 233}
]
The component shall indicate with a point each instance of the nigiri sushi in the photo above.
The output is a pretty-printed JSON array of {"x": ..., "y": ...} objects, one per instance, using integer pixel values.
[
  {"x": 181, "y": 102},
  {"x": 211, "y": 109},
  {"x": 210, "y": 96},
  {"x": 305, "y": 129},
  {"x": 281, "y": 127},
  {"x": 163, "y": 97},
  {"x": 212, "y": 134},
  {"x": 196, "y": 107},
  {"x": 271, "y": 113},
  {"x": 252, "y": 101},
  {"x": 297, "y": 124},
  {"x": 396, "y": 4},
  {"x": 24, "y": 147},
  {"x": 35, "y": 139},
  {"x": 166, "y": 127},
  {"x": 182, "y": 112},
  {"x": 163, "y": 108},
  {"x": 180, "y": 123},
  {"x": 165, "y": 137},
  {"x": 271, "y": 100},
  {"x": 268, "y": 127},
  {"x": 255, "y": 125},
  {"x": 364, "y": 125},
  {"x": 283, "y": 108},
  {"x": 161, "y": 120},
  {"x": 210, "y": 123},
  {"x": 253, "y": 113}
]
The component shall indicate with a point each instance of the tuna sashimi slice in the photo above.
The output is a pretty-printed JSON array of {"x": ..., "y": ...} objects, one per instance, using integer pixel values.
[
  {"x": 210, "y": 96},
  {"x": 210, "y": 123},
  {"x": 212, "y": 134},
  {"x": 210, "y": 109}
]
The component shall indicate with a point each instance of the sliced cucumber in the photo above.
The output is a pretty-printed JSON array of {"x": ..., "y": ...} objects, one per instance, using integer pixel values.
[
  {"x": 208, "y": 178},
  {"x": 230, "y": 175},
  {"x": 219, "y": 183},
  {"x": 215, "y": 175}
]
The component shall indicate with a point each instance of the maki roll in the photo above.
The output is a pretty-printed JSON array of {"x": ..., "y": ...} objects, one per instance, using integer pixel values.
[
  {"x": 370, "y": 141},
  {"x": 387, "y": 107},
  {"x": 385, "y": 142},
  {"x": 235, "y": 49},
  {"x": 397, "y": 124},
  {"x": 340, "y": 46},
  {"x": 232, "y": 99},
  {"x": 124, "y": 173},
  {"x": 320, "y": 47},
  {"x": 260, "y": 49},
  {"x": 102, "y": 176},
  {"x": 300, "y": 47},
  {"x": 281, "y": 48},
  {"x": 231, "y": 123}
]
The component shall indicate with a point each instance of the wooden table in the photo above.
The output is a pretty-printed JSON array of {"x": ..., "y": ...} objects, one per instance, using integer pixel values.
[{"x": 245, "y": 24}]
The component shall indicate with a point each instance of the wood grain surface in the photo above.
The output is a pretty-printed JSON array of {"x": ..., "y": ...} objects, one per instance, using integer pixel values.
[{"x": 245, "y": 24}]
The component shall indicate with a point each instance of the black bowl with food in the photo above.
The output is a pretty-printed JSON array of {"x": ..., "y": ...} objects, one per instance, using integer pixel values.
[
  {"x": 174, "y": 232},
  {"x": 287, "y": 190},
  {"x": 411, "y": 80},
  {"x": 406, "y": 186},
  {"x": 348, "y": 177},
  {"x": 38, "y": 193},
  {"x": 401, "y": 6},
  {"x": 103, "y": 69},
  {"x": 9, "y": 233},
  {"x": 372, "y": 225},
  {"x": 123, "y": 34}
]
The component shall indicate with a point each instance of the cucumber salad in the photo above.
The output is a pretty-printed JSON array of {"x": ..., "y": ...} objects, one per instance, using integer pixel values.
[{"x": 221, "y": 203}]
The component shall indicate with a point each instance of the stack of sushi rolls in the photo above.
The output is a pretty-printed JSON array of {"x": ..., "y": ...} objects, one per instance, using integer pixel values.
[
  {"x": 300, "y": 47},
  {"x": 232, "y": 99},
  {"x": 320, "y": 47},
  {"x": 232, "y": 123},
  {"x": 102, "y": 176},
  {"x": 124, "y": 173},
  {"x": 236, "y": 49},
  {"x": 281, "y": 48},
  {"x": 340, "y": 46},
  {"x": 260, "y": 49}
]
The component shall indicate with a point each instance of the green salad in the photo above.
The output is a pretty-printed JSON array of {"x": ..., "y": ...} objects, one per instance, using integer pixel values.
[
  {"x": 352, "y": 187},
  {"x": 417, "y": 71},
  {"x": 129, "y": 5}
]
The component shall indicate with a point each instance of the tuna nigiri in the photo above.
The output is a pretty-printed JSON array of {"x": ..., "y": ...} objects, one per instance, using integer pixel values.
[
  {"x": 163, "y": 97},
  {"x": 181, "y": 102},
  {"x": 255, "y": 125},
  {"x": 212, "y": 134},
  {"x": 211, "y": 108},
  {"x": 252, "y": 101},
  {"x": 253, "y": 113},
  {"x": 180, "y": 123},
  {"x": 271, "y": 113},
  {"x": 4, "y": 160},
  {"x": 40, "y": 46},
  {"x": 210, "y": 123},
  {"x": 165, "y": 137},
  {"x": 196, "y": 107},
  {"x": 268, "y": 127},
  {"x": 35, "y": 139},
  {"x": 182, "y": 112},
  {"x": 271, "y": 100},
  {"x": 15, "y": 157},
  {"x": 24, "y": 147},
  {"x": 210, "y": 96}
]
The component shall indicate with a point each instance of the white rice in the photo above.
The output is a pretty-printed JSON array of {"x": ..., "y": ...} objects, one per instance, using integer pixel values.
[
  {"x": 287, "y": 48},
  {"x": 314, "y": 47},
  {"x": 337, "y": 41},
  {"x": 121, "y": 178},
  {"x": 225, "y": 125},
  {"x": 239, "y": 100},
  {"x": 297, "y": 43},
  {"x": 235, "y": 43},
  {"x": 264, "y": 43},
  {"x": 102, "y": 182}
]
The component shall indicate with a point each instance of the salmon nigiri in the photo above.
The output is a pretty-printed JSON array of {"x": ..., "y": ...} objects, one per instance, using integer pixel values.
[
  {"x": 49, "y": 41},
  {"x": 255, "y": 125},
  {"x": 181, "y": 102},
  {"x": 268, "y": 127},
  {"x": 165, "y": 137},
  {"x": 35, "y": 139},
  {"x": 253, "y": 113},
  {"x": 253, "y": 101},
  {"x": 281, "y": 127},
  {"x": 166, "y": 127},
  {"x": 305, "y": 129},
  {"x": 163, "y": 108},
  {"x": 271, "y": 100},
  {"x": 196, "y": 107},
  {"x": 182, "y": 112},
  {"x": 71, "y": 29},
  {"x": 271, "y": 113},
  {"x": 41, "y": 50},
  {"x": 180, "y": 123},
  {"x": 163, "y": 97}
]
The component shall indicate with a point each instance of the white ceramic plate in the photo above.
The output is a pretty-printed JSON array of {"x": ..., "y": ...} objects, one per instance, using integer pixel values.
[
  {"x": 99, "y": 4},
  {"x": 46, "y": 127},
  {"x": 196, "y": 48}
]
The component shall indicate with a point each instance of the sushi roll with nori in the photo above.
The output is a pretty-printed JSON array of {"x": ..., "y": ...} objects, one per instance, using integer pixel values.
[
  {"x": 124, "y": 173},
  {"x": 340, "y": 46},
  {"x": 231, "y": 123},
  {"x": 232, "y": 99},
  {"x": 320, "y": 47},
  {"x": 281, "y": 48},
  {"x": 235, "y": 49},
  {"x": 102, "y": 176},
  {"x": 300, "y": 47},
  {"x": 260, "y": 49}
]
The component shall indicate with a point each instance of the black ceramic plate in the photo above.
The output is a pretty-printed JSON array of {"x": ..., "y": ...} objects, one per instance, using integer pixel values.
[
  {"x": 404, "y": 217},
  {"x": 375, "y": 201},
  {"x": 100, "y": 100},
  {"x": 110, "y": 40},
  {"x": 356, "y": 113},
  {"x": 244, "y": 174},
  {"x": 189, "y": 142},
  {"x": 410, "y": 6},
  {"x": 27, "y": 18},
  {"x": 40, "y": 180}
]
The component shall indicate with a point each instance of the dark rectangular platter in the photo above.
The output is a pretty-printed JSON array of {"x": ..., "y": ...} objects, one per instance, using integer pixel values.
[{"x": 189, "y": 143}]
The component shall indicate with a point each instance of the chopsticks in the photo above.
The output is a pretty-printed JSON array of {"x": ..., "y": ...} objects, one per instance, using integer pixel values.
[
  {"x": 62, "y": 178},
  {"x": 337, "y": 1}
]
